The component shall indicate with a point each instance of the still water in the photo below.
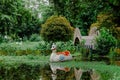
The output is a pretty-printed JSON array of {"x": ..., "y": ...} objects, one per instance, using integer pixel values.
[
  {"x": 53, "y": 71},
  {"x": 50, "y": 71}
]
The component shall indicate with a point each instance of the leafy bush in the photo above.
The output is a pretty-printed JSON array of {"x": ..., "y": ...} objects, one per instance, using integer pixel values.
[
  {"x": 35, "y": 37},
  {"x": 118, "y": 43},
  {"x": 57, "y": 28},
  {"x": 7, "y": 50},
  {"x": 62, "y": 46},
  {"x": 104, "y": 42},
  {"x": 16, "y": 19},
  {"x": 1, "y": 39},
  {"x": 45, "y": 47},
  {"x": 34, "y": 48}
]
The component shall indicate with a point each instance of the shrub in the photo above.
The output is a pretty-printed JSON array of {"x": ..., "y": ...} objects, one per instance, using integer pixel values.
[
  {"x": 35, "y": 37},
  {"x": 118, "y": 43},
  {"x": 45, "y": 47},
  {"x": 1, "y": 39},
  {"x": 56, "y": 28},
  {"x": 7, "y": 50},
  {"x": 62, "y": 46},
  {"x": 104, "y": 42}
]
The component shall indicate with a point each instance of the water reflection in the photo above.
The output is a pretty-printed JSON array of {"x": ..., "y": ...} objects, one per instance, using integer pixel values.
[
  {"x": 73, "y": 73},
  {"x": 50, "y": 71},
  {"x": 58, "y": 71},
  {"x": 21, "y": 72},
  {"x": 78, "y": 73}
]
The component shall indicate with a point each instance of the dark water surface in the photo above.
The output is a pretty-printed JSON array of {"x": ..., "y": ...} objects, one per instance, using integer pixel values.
[
  {"x": 49, "y": 72},
  {"x": 53, "y": 71}
]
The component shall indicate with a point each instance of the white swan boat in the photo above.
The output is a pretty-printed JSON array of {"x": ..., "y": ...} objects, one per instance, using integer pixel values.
[{"x": 59, "y": 56}]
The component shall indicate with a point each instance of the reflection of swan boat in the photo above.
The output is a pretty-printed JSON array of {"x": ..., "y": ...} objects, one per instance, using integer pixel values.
[
  {"x": 55, "y": 67},
  {"x": 59, "y": 56}
]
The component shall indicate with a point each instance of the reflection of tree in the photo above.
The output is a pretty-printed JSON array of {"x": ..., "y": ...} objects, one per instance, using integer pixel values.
[
  {"x": 86, "y": 75},
  {"x": 28, "y": 72},
  {"x": 22, "y": 72},
  {"x": 62, "y": 75},
  {"x": 46, "y": 72}
]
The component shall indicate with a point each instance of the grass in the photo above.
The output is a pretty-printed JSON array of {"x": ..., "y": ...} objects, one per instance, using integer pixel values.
[
  {"x": 13, "y": 49},
  {"x": 26, "y": 59},
  {"x": 24, "y": 46}
]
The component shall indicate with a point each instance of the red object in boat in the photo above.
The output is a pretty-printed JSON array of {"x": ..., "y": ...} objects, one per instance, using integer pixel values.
[
  {"x": 66, "y": 53},
  {"x": 67, "y": 69}
]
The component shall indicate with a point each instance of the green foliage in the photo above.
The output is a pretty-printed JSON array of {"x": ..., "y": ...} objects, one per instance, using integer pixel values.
[
  {"x": 62, "y": 46},
  {"x": 107, "y": 20},
  {"x": 47, "y": 11},
  {"x": 104, "y": 42},
  {"x": 80, "y": 13},
  {"x": 39, "y": 8},
  {"x": 118, "y": 43},
  {"x": 15, "y": 49},
  {"x": 112, "y": 55},
  {"x": 7, "y": 50},
  {"x": 115, "y": 5},
  {"x": 115, "y": 2},
  {"x": 16, "y": 19},
  {"x": 57, "y": 28},
  {"x": 1, "y": 39},
  {"x": 116, "y": 32},
  {"x": 35, "y": 37},
  {"x": 45, "y": 47}
]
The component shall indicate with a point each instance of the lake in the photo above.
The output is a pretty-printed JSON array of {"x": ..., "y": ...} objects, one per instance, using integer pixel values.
[{"x": 54, "y": 71}]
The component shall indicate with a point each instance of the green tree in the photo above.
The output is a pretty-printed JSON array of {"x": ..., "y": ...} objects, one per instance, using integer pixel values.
[
  {"x": 40, "y": 8},
  {"x": 57, "y": 28},
  {"x": 80, "y": 13},
  {"x": 115, "y": 5},
  {"x": 15, "y": 19},
  {"x": 105, "y": 41}
]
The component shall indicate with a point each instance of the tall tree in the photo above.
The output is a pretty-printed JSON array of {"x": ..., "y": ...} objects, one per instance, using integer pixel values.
[
  {"x": 15, "y": 19},
  {"x": 80, "y": 13},
  {"x": 115, "y": 5}
]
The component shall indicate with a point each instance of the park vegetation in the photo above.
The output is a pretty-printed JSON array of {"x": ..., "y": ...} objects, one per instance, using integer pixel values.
[
  {"x": 57, "y": 28},
  {"x": 29, "y": 27},
  {"x": 45, "y": 22}
]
